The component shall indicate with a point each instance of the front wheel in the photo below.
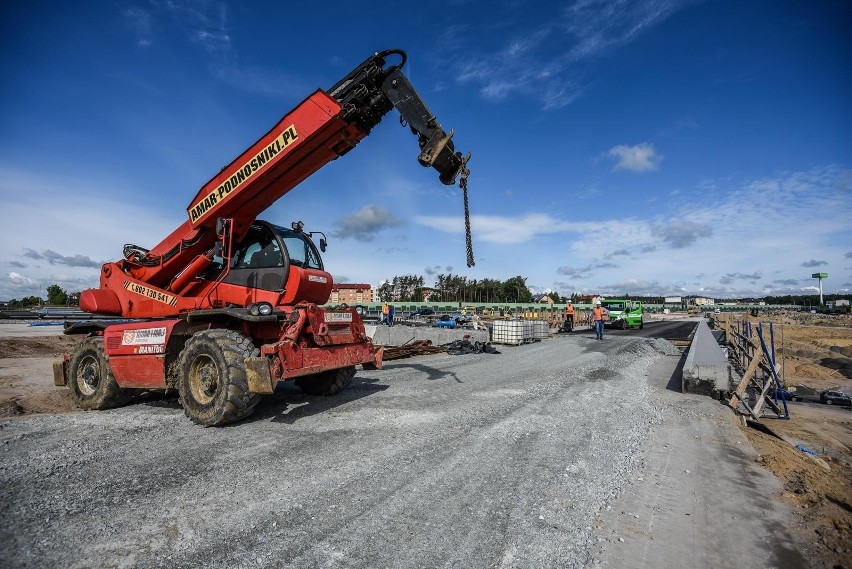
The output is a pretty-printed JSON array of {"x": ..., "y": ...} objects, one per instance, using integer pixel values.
[
  {"x": 90, "y": 377},
  {"x": 329, "y": 382},
  {"x": 213, "y": 382},
  {"x": 641, "y": 323},
  {"x": 829, "y": 402},
  {"x": 623, "y": 325}
]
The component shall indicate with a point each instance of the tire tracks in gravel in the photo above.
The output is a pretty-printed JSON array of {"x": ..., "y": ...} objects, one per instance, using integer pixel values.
[{"x": 474, "y": 461}]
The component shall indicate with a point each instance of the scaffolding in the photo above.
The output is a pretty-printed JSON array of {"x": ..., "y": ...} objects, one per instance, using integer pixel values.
[{"x": 753, "y": 353}]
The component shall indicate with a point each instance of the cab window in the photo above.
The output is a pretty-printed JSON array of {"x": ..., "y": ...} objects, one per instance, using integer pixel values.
[
  {"x": 301, "y": 250},
  {"x": 259, "y": 250}
]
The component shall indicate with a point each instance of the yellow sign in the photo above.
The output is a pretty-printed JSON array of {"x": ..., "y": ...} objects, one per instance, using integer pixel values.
[
  {"x": 243, "y": 174},
  {"x": 151, "y": 293}
]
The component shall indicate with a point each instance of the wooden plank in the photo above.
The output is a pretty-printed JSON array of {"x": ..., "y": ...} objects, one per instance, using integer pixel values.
[
  {"x": 748, "y": 375},
  {"x": 749, "y": 409},
  {"x": 764, "y": 397},
  {"x": 747, "y": 378}
]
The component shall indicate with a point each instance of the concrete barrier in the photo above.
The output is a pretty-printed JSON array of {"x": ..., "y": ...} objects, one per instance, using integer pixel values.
[
  {"x": 399, "y": 334},
  {"x": 706, "y": 369}
]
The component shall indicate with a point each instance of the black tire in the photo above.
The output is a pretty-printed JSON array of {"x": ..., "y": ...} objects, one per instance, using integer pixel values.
[
  {"x": 90, "y": 377},
  {"x": 329, "y": 382},
  {"x": 213, "y": 383},
  {"x": 641, "y": 323},
  {"x": 829, "y": 402},
  {"x": 624, "y": 325}
]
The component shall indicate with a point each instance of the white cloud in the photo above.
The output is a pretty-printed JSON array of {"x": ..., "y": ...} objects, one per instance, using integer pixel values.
[
  {"x": 501, "y": 229},
  {"x": 86, "y": 222},
  {"x": 20, "y": 281},
  {"x": 540, "y": 57},
  {"x": 365, "y": 223},
  {"x": 639, "y": 158},
  {"x": 139, "y": 22},
  {"x": 679, "y": 234},
  {"x": 684, "y": 240}
]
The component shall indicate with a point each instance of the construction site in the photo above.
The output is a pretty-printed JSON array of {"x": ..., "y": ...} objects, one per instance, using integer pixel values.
[
  {"x": 558, "y": 452},
  {"x": 210, "y": 400}
]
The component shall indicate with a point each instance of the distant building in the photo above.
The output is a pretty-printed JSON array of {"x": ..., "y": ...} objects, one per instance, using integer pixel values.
[
  {"x": 837, "y": 303},
  {"x": 699, "y": 301},
  {"x": 542, "y": 299},
  {"x": 351, "y": 293}
]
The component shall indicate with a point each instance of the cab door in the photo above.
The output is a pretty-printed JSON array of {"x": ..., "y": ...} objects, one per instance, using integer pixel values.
[{"x": 260, "y": 261}]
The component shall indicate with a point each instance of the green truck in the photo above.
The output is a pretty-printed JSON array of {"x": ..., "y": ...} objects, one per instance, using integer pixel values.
[{"x": 624, "y": 313}]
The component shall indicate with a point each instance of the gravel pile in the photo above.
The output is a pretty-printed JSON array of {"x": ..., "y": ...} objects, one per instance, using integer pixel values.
[{"x": 476, "y": 461}]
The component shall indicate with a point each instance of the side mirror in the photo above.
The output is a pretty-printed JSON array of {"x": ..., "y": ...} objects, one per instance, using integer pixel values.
[{"x": 323, "y": 244}]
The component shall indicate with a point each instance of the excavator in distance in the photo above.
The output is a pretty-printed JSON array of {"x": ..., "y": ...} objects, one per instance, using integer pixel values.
[{"x": 227, "y": 305}]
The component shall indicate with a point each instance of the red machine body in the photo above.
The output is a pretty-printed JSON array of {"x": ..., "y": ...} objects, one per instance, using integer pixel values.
[
  {"x": 301, "y": 143},
  {"x": 225, "y": 283}
]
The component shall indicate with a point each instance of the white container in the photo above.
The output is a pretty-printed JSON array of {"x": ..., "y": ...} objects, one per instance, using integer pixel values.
[
  {"x": 509, "y": 332},
  {"x": 540, "y": 330}
]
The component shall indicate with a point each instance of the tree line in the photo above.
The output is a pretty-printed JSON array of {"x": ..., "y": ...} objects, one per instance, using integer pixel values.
[
  {"x": 458, "y": 288},
  {"x": 452, "y": 288},
  {"x": 56, "y": 296}
]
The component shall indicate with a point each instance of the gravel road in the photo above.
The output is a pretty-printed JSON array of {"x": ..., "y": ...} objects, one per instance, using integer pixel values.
[{"x": 441, "y": 461}]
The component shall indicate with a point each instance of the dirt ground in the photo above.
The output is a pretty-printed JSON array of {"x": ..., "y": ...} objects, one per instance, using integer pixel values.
[
  {"x": 814, "y": 354},
  {"x": 818, "y": 488},
  {"x": 26, "y": 372}
]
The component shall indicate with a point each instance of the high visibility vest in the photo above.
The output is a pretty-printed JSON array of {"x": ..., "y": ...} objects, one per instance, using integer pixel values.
[
  {"x": 385, "y": 309},
  {"x": 569, "y": 310},
  {"x": 598, "y": 312}
]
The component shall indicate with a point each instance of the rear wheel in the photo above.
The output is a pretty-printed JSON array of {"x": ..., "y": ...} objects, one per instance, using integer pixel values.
[
  {"x": 329, "y": 382},
  {"x": 213, "y": 382},
  {"x": 90, "y": 378}
]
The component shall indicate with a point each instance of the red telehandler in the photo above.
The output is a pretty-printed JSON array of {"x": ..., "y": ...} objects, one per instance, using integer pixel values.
[{"x": 227, "y": 305}]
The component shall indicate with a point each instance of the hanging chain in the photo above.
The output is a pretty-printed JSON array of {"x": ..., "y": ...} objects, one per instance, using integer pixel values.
[{"x": 468, "y": 240}]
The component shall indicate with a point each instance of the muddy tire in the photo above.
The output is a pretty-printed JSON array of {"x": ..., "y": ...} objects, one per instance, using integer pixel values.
[
  {"x": 90, "y": 377},
  {"x": 326, "y": 383},
  {"x": 213, "y": 383}
]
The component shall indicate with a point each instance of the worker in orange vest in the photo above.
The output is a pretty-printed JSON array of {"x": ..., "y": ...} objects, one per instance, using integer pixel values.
[
  {"x": 385, "y": 311},
  {"x": 569, "y": 316},
  {"x": 598, "y": 313}
]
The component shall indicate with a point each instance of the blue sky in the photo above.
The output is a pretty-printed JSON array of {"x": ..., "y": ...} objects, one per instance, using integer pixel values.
[{"x": 618, "y": 147}]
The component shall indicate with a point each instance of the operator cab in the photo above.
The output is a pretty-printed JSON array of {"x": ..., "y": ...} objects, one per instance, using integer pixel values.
[{"x": 271, "y": 257}]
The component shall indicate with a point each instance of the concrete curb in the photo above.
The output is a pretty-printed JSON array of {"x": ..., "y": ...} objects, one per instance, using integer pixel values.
[
  {"x": 399, "y": 334},
  {"x": 706, "y": 370}
]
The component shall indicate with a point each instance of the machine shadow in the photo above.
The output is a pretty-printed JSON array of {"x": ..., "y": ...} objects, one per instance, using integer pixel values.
[{"x": 289, "y": 403}]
